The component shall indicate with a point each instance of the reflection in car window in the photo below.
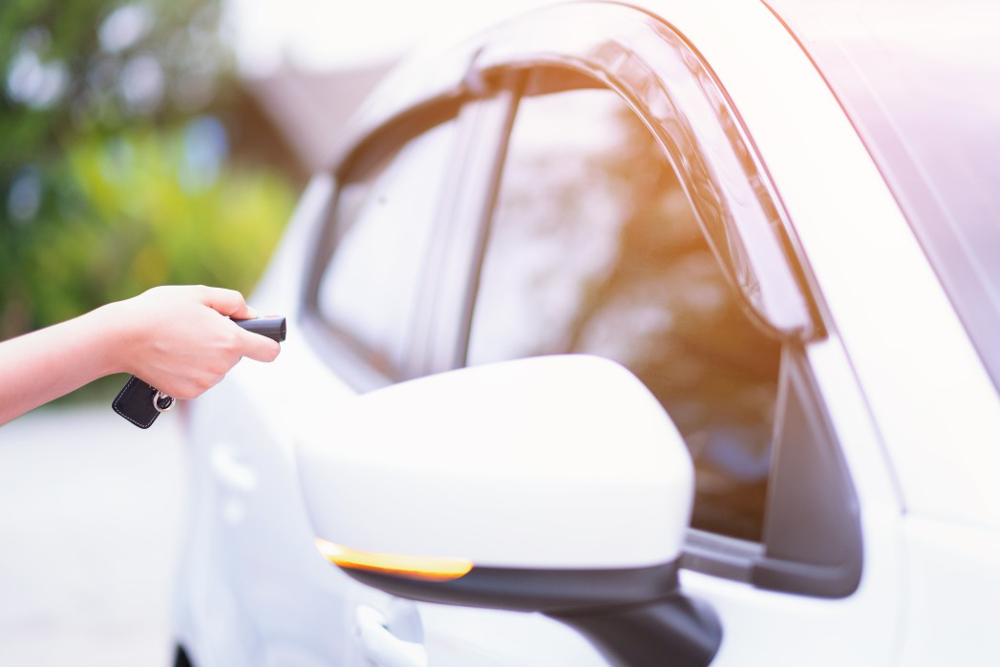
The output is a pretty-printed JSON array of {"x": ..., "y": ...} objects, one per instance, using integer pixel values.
[
  {"x": 384, "y": 221},
  {"x": 594, "y": 249}
]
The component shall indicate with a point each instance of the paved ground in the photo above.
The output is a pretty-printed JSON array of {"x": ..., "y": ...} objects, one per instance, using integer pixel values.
[{"x": 90, "y": 509}]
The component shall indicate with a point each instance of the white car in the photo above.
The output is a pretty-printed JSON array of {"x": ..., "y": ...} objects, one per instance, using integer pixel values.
[{"x": 653, "y": 334}]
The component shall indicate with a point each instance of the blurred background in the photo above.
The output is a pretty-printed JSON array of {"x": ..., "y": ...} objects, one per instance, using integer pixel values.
[
  {"x": 131, "y": 157},
  {"x": 147, "y": 143}
]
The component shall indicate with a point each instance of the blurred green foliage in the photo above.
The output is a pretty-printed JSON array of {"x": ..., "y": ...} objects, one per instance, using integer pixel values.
[
  {"x": 134, "y": 216},
  {"x": 116, "y": 173}
]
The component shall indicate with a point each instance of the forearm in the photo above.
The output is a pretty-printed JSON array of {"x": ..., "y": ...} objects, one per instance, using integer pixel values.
[
  {"x": 40, "y": 366},
  {"x": 179, "y": 339}
]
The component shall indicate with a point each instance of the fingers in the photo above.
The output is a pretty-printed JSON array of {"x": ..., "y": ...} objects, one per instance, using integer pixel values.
[
  {"x": 227, "y": 302},
  {"x": 231, "y": 303},
  {"x": 255, "y": 346},
  {"x": 190, "y": 388}
]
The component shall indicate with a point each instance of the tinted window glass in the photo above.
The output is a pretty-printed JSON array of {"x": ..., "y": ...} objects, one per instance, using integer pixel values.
[
  {"x": 385, "y": 221},
  {"x": 595, "y": 249}
]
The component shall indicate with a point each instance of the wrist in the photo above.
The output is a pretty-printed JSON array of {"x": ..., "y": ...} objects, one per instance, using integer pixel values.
[{"x": 111, "y": 338}]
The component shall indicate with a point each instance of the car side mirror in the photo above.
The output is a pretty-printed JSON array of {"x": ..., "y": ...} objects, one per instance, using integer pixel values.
[{"x": 552, "y": 484}]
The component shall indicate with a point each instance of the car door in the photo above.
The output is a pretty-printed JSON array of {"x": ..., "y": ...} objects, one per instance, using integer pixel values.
[{"x": 257, "y": 591}]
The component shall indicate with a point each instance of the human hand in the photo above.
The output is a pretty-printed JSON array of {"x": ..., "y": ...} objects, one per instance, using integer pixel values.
[{"x": 180, "y": 339}]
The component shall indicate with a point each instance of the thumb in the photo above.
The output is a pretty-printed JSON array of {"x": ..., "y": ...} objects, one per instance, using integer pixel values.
[
  {"x": 227, "y": 302},
  {"x": 255, "y": 346}
]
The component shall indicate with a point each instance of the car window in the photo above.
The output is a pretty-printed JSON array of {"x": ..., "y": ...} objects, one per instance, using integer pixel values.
[
  {"x": 384, "y": 222},
  {"x": 594, "y": 248}
]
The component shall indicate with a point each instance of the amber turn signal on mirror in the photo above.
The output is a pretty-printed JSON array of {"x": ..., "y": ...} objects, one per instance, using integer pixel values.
[{"x": 413, "y": 567}]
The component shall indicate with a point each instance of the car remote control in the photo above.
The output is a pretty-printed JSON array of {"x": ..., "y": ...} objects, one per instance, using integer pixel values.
[
  {"x": 271, "y": 326},
  {"x": 141, "y": 403}
]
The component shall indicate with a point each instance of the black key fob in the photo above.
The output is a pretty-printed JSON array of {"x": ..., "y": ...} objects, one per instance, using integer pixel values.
[
  {"x": 140, "y": 403},
  {"x": 270, "y": 326}
]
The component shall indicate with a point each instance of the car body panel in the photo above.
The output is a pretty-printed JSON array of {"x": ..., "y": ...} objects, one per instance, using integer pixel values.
[{"x": 952, "y": 584}]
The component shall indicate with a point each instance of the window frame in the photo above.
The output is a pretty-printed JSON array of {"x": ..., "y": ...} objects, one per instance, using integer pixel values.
[{"x": 337, "y": 347}]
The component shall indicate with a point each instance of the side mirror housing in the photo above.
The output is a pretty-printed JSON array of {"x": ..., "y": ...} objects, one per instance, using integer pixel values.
[
  {"x": 545, "y": 463},
  {"x": 553, "y": 484}
]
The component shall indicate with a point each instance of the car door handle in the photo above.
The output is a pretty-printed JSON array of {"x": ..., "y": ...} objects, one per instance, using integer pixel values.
[
  {"x": 233, "y": 473},
  {"x": 381, "y": 646}
]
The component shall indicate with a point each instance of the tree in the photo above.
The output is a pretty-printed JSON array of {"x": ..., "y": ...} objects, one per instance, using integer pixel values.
[{"x": 90, "y": 88}]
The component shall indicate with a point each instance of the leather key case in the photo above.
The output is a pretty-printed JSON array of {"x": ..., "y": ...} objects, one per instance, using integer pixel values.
[{"x": 135, "y": 403}]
